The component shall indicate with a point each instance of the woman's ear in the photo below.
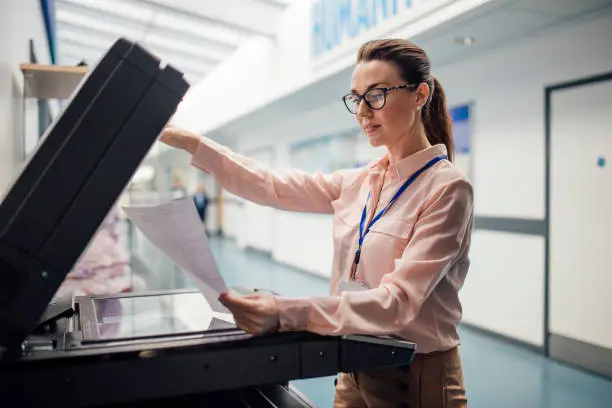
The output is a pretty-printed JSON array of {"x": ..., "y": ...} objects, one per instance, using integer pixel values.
[{"x": 422, "y": 95}]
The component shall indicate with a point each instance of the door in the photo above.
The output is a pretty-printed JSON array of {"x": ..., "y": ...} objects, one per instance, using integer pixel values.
[{"x": 580, "y": 235}]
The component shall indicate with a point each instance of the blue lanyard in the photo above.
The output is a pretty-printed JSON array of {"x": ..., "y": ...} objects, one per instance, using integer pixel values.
[{"x": 399, "y": 192}]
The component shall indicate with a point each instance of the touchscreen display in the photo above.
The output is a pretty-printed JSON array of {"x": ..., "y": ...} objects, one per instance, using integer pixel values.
[{"x": 144, "y": 316}]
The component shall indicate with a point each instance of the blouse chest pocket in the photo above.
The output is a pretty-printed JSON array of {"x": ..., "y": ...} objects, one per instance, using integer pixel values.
[
  {"x": 388, "y": 237},
  {"x": 393, "y": 227}
]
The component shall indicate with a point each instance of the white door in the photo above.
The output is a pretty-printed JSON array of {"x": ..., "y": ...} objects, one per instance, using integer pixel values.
[{"x": 581, "y": 217}]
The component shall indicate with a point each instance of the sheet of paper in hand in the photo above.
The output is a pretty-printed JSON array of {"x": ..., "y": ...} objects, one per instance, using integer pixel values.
[{"x": 176, "y": 229}]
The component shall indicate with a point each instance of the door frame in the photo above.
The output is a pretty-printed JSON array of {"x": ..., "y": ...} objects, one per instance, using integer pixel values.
[{"x": 548, "y": 94}]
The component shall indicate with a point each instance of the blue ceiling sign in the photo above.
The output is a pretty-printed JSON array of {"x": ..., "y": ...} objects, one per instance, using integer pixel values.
[{"x": 335, "y": 21}]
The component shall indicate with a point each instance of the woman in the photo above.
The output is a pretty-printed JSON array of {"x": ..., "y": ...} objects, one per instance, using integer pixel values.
[{"x": 402, "y": 229}]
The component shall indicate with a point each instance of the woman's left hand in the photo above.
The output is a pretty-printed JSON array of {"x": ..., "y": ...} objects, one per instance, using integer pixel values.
[{"x": 256, "y": 314}]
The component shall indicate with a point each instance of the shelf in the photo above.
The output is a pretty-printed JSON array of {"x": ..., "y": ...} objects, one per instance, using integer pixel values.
[{"x": 51, "y": 81}]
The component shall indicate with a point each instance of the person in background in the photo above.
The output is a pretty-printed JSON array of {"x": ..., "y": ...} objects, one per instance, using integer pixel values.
[
  {"x": 200, "y": 199},
  {"x": 104, "y": 267},
  {"x": 402, "y": 231},
  {"x": 177, "y": 191}
]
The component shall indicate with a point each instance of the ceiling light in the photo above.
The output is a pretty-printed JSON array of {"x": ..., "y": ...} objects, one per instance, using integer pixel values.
[
  {"x": 121, "y": 9},
  {"x": 464, "y": 40},
  {"x": 199, "y": 29},
  {"x": 191, "y": 48},
  {"x": 104, "y": 25}
]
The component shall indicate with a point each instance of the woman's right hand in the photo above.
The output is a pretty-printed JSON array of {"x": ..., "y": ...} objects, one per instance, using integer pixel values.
[{"x": 179, "y": 138}]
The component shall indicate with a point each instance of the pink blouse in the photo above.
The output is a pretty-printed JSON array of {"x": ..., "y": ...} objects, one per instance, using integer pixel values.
[{"x": 413, "y": 260}]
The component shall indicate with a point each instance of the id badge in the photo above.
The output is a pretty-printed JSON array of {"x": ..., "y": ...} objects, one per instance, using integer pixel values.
[{"x": 352, "y": 286}]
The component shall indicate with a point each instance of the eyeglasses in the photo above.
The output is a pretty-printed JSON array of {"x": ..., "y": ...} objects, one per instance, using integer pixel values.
[{"x": 375, "y": 98}]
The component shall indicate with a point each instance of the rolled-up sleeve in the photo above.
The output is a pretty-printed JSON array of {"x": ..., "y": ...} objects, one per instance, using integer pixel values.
[
  {"x": 439, "y": 239},
  {"x": 292, "y": 190}
]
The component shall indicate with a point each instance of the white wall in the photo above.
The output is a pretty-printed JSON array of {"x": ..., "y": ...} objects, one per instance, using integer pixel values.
[
  {"x": 507, "y": 86},
  {"x": 274, "y": 67},
  {"x": 255, "y": 232},
  {"x": 283, "y": 65},
  {"x": 504, "y": 291},
  {"x": 20, "y": 20}
]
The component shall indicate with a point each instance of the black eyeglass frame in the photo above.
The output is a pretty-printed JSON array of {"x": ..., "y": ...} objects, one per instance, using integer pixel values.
[{"x": 384, "y": 90}]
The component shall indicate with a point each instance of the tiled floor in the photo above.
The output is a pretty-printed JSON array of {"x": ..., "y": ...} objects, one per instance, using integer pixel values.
[{"x": 497, "y": 374}]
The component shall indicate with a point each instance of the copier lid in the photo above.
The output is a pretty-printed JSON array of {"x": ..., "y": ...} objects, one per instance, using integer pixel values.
[{"x": 81, "y": 166}]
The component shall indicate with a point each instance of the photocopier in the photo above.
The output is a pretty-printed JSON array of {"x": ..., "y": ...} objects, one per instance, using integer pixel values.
[{"x": 141, "y": 348}]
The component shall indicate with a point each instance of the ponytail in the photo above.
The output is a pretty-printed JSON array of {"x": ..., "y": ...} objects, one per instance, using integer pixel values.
[{"x": 436, "y": 119}]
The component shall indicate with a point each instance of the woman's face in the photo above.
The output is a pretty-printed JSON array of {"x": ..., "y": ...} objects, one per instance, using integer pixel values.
[{"x": 392, "y": 124}]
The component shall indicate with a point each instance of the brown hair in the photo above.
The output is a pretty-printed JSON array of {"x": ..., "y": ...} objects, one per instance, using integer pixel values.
[{"x": 415, "y": 68}]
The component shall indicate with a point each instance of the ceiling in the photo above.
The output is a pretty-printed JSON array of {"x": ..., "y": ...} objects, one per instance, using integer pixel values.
[{"x": 195, "y": 36}]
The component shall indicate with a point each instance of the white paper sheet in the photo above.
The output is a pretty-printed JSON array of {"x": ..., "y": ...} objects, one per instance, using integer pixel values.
[{"x": 176, "y": 229}]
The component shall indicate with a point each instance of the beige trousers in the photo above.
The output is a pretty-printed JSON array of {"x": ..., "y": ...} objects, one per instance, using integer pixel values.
[{"x": 432, "y": 381}]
